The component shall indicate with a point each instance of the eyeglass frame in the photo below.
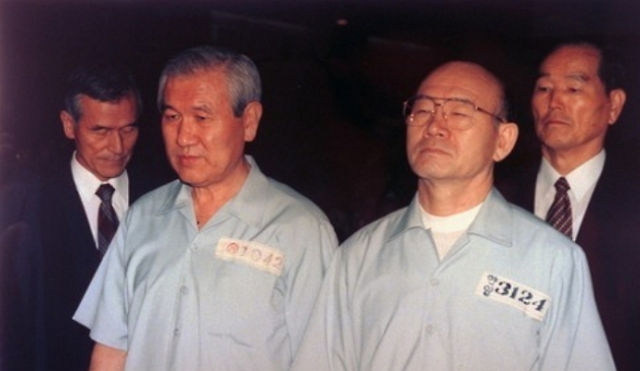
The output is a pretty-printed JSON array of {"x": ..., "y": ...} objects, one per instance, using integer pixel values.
[{"x": 435, "y": 100}]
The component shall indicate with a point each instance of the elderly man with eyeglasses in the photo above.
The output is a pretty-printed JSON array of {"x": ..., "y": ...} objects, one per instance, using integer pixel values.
[{"x": 460, "y": 279}]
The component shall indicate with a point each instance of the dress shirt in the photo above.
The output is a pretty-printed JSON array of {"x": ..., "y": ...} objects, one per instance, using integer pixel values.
[
  {"x": 233, "y": 295},
  {"x": 87, "y": 184},
  {"x": 582, "y": 181},
  {"x": 512, "y": 294}
]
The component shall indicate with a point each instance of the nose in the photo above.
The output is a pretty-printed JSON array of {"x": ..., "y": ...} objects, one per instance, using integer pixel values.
[
  {"x": 185, "y": 134},
  {"x": 555, "y": 99},
  {"x": 116, "y": 142},
  {"x": 437, "y": 123}
]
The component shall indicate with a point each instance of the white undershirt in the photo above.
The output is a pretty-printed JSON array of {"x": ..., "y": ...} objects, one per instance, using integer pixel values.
[
  {"x": 582, "y": 181},
  {"x": 87, "y": 184},
  {"x": 446, "y": 230}
]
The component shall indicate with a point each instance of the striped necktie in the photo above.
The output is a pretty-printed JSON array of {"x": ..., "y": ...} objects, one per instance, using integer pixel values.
[
  {"x": 559, "y": 214},
  {"x": 107, "y": 218}
]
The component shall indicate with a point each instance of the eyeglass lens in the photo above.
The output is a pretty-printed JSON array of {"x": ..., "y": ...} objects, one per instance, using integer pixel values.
[{"x": 457, "y": 113}]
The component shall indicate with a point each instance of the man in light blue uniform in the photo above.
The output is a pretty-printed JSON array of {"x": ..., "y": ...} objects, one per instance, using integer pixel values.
[
  {"x": 460, "y": 279},
  {"x": 218, "y": 270}
]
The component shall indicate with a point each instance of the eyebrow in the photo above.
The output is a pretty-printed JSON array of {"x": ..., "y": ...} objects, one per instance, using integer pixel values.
[
  {"x": 202, "y": 108},
  {"x": 578, "y": 76},
  {"x": 575, "y": 76},
  {"x": 109, "y": 128}
]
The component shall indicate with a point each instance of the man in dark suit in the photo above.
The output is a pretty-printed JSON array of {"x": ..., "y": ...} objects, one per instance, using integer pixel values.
[
  {"x": 576, "y": 99},
  {"x": 102, "y": 107}
]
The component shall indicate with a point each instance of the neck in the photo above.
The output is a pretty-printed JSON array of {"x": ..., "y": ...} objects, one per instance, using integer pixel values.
[
  {"x": 444, "y": 199},
  {"x": 207, "y": 200},
  {"x": 565, "y": 161}
]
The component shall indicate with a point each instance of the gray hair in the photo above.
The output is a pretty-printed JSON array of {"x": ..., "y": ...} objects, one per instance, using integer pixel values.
[
  {"x": 243, "y": 79},
  {"x": 100, "y": 81}
]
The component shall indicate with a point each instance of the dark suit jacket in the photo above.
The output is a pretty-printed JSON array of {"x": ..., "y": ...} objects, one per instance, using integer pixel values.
[
  {"x": 69, "y": 260},
  {"x": 610, "y": 237},
  {"x": 18, "y": 223}
]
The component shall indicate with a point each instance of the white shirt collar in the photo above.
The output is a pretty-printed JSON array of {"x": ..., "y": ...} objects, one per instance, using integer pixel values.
[
  {"x": 451, "y": 223},
  {"x": 581, "y": 180},
  {"x": 87, "y": 183}
]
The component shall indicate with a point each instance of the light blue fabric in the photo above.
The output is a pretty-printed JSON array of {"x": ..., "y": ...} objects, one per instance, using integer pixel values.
[
  {"x": 388, "y": 303},
  {"x": 163, "y": 295}
]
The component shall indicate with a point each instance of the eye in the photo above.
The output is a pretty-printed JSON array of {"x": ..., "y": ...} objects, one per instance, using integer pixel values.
[
  {"x": 459, "y": 114},
  {"x": 100, "y": 130},
  {"x": 169, "y": 116},
  {"x": 456, "y": 108},
  {"x": 420, "y": 112},
  {"x": 573, "y": 89},
  {"x": 542, "y": 89},
  {"x": 129, "y": 129}
]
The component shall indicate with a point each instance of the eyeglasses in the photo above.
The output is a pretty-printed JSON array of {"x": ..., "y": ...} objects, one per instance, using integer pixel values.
[{"x": 459, "y": 114}]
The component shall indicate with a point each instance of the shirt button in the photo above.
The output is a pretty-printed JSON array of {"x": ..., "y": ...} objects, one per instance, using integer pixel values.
[
  {"x": 194, "y": 247},
  {"x": 184, "y": 290},
  {"x": 429, "y": 330},
  {"x": 435, "y": 282},
  {"x": 176, "y": 332}
]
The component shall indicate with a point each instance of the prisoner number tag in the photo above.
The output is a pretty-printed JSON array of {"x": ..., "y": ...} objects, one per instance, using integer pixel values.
[
  {"x": 530, "y": 301},
  {"x": 251, "y": 253}
]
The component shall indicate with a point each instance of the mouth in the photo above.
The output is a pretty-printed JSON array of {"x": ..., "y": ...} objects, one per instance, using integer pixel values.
[
  {"x": 554, "y": 121},
  {"x": 115, "y": 160},
  {"x": 186, "y": 159},
  {"x": 430, "y": 150}
]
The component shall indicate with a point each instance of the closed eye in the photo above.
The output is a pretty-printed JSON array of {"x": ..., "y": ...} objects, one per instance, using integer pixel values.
[
  {"x": 170, "y": 116},
  {"x": 542, "y": 89},
  {"x": 129, "y": 129}
]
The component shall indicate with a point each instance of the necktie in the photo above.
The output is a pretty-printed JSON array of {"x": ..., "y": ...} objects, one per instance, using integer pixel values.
[
  {"x": 107, "y": 218},
  {"x": 559, "y": 214}
]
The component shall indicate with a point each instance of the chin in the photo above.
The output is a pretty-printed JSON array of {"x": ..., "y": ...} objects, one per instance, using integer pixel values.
[
  {"x": 191, "y": 179},
  {"x": 112, "y": 174}
]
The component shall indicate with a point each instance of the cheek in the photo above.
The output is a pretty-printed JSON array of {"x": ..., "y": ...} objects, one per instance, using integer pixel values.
[
  {"x": 413, "y": 137},
  {"x": 538, "y": 104},
  {"x": 130, "y": 141},
  {"x": 91, "y": 144}
]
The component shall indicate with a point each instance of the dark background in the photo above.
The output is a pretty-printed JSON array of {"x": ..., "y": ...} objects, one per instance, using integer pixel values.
[{"x": 332, "y": 127}]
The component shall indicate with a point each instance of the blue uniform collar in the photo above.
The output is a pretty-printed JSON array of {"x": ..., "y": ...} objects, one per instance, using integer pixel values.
[
  {"x": 247, "y": 205},
  {"x": 494, "y": 220}
]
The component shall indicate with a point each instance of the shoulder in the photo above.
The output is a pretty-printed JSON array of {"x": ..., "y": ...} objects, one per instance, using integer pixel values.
[
  {"x": 618, "y": 184},
  {"x": 157, "y": 198},
  {"x": 377, "y": 232},
  {"x": 284, "y": 200},
  {"x": 533, "y": 237},
  {"x": 58, "y": 178}
]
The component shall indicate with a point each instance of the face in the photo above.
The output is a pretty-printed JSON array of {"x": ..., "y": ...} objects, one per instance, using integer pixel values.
[
  {"x": 437, "y": 153},
  {"x": 571, "y": 109},
  {"x": 204, "y": 140},
  {"x": 104, "y": 135}
]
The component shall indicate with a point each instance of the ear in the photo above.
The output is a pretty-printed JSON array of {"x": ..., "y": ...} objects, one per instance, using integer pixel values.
[
  {"x": 617, "y": 97},
  {"x": 68, "y": 124},
  {"x": 507, "y": 137},
  {"x": 251, "y": 120}
]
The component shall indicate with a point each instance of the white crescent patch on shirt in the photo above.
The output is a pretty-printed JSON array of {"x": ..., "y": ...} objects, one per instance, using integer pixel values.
[
  {"x": 532, "y": 302},
  {"x": 251, "y": 253}
]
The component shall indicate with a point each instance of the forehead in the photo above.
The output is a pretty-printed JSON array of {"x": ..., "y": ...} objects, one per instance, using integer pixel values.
[
  {"x": 118, "y": 113},
  {"x": 209, "y": 85},
  {"x": 463, "y": 81},
  {"x": 572, "y": 62}
]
